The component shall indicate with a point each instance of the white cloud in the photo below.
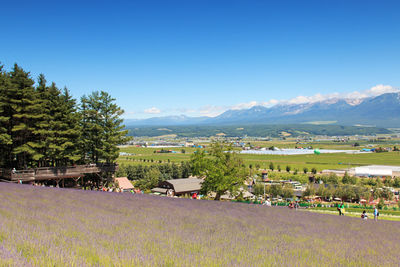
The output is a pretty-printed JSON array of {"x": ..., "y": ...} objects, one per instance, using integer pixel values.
[
  {"x": 184, "y": 110},
  {"x": 152, "y": 110},
  {"x": 381, "y": 89},
  {"x": 273, "y": 102},
  {"x": 212, "y": 111},
  {"x": 356, "y": 95}
]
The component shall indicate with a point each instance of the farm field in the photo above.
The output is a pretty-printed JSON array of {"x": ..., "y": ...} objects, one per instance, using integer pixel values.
[
  {"x": 320, "y": 162},
  {"x": 65, "y": 227}
]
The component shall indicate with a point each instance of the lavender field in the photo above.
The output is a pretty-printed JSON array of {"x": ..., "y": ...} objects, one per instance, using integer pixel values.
[{"x": 61, "y": 227}]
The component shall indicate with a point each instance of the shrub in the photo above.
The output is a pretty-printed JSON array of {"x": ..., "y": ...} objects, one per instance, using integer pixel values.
[
  {"x": 288, "y": 168},
  {"x": 271, "y": 166}
]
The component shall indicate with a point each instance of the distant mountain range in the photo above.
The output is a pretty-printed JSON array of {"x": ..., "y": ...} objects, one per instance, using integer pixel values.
[{"x": 380, "y": 111}]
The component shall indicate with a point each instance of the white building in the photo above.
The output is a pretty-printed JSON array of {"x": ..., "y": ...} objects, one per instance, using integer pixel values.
[{"x": 378, "y": 170}]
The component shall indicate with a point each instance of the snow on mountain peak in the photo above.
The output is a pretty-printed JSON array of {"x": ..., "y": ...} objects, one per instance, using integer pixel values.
[{"x": 354, "y": 101}]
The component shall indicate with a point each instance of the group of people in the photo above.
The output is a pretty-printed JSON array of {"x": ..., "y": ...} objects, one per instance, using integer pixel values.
[
  {"x": 294, "y": 205},
  {"x": 364, "y": 215},
  {"x": 111, "y": 189},
  {"x": 136, "y": 191}
]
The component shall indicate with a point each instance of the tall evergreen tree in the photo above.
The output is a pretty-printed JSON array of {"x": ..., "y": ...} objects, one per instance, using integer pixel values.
[
  {"x": 42, "y": 127},
  {"x": 23, "y": 102},
  {"x": 54, "y": 140},
  {"x": 111, "y": 122},
  {"x": 102, "y": 127},
  {"x": 91, "y": 128},
  {"x": 5, "y": 136},
  {"x": 64, "y": 127},
  {"x": 70, "y": 128}
]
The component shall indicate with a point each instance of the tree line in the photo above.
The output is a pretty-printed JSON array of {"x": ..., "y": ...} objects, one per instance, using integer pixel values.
[
  {"x": 148, "y": 177},
  {"x": 44, "y": 126},
  {"x": 258, "y": 130}
]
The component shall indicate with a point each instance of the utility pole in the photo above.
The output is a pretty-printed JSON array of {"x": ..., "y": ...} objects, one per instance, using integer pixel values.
[{"x": 265, "y": 180}]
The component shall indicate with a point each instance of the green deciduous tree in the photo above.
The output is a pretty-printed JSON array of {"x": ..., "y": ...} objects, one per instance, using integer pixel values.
[
  {"x": 287, "y": 191},
  {"x": 271, "y": 166},
  {"x": 333, "y": 179},
  {"x": 288, "y": 168},
  {"x": 275, "y": 190},
  {"x": 258, "y": 189},
  {"x": 310, "y": 191},
  {"x": 347, "y": 179},
  {"x": 222, "y": 170}
]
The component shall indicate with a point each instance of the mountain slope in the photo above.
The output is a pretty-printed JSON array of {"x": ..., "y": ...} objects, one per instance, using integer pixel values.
[{"x": 381, "y": 111}]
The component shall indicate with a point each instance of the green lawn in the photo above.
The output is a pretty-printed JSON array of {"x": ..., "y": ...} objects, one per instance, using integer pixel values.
[
  {"x": 324, "y": 161},
  {"x": 357, "y": 213},
  {"x": 320, "y": 162}
]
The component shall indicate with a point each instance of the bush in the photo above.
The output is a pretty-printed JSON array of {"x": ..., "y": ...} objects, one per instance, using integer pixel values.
[
  {"x": 314, "y": 170},
  {"x": 271, "y": 166},
  {"x": 288, "y": 168},
  {"x": 381, "y": 204}
]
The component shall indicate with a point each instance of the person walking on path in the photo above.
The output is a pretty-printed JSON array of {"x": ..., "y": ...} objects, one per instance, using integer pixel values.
[
  {"x": 338, "y": 208},
  {"x": 376, "y": 214},
  {"x": 342, "y": 209}
]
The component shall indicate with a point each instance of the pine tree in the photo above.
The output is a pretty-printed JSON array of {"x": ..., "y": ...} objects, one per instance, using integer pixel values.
[
  {"x": 113, "y": 133},
  {"x": 54, "y": 140},
  {"x": 22, "y": 99},
  {"x": 91, "y": 128},
  {"x": 42, "y": 127},
  {"x": 70, "y": 130},
  {"x": 64, "y": 129},
  {"x": 5, "y": 136},
  {"x": 102, "y": 127}
]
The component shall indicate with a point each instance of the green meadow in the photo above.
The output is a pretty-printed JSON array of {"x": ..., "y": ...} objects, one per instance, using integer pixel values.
[{"x": 147, "y": 156}]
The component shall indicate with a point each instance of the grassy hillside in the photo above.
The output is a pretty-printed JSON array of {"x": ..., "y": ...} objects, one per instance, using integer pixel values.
[{"x": 61, "y": 227}]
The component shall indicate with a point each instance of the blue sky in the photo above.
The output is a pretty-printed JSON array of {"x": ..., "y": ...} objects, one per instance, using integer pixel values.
[{"x": 189, "y": 57}]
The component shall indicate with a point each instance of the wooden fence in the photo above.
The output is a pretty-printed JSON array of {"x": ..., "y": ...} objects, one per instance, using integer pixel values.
[{"x": 50, "y": 173}]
